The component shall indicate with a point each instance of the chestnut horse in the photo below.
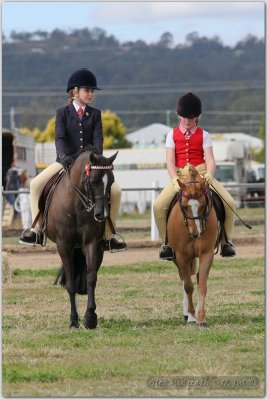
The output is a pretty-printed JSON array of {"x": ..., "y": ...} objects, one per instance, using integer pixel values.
[
  {"x": 192, "y": 231},
  {"x": 76, "y": 220}
]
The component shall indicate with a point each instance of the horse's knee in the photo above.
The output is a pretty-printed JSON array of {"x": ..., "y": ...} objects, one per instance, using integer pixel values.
[
  {"x": 70, "y": 287},
  {"x": 188, "y": 287}
]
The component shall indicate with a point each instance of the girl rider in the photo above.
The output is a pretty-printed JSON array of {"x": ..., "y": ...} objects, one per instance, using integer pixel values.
[
  {"x": 77, "y": 125},
  {"x": 189, "y": 144}
]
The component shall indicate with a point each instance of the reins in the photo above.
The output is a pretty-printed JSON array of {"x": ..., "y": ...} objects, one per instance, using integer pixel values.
[
  {"x": 85, "y": 200},
  {"x": 243, "y": 222}
]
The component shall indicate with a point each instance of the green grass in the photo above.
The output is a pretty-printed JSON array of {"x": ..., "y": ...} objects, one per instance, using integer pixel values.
[{"x": 141, "y": 333}]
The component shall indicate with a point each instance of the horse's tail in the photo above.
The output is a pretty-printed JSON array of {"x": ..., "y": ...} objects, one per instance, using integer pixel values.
[{"x": 80, "y": 270}]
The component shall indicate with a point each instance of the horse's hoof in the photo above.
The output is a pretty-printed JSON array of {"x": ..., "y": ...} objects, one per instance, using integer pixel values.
[
  {"x": 74, "y": 325},
  {"x": 202, "y": 324},
  {"x": 90, "y": 324},
  {"x": 185, "y": 318}
]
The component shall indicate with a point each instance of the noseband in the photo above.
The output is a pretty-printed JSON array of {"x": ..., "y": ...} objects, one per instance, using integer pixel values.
[{"x": 196, "y": 196}]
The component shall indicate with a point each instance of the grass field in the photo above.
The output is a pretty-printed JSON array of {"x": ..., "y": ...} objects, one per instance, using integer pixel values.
[{"x": 142, "y": 346}]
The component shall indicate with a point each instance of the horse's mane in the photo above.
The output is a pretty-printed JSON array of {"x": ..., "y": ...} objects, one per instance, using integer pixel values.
[{"x": 88, "y": 147}]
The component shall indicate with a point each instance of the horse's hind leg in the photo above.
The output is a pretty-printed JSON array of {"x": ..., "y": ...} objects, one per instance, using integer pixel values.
[{"x": 67, "y": 262}]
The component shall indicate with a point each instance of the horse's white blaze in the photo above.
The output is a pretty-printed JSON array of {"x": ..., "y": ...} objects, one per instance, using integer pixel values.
[
  {"x": 105, "y": 182},
  {"x": 195, "y": 206}
]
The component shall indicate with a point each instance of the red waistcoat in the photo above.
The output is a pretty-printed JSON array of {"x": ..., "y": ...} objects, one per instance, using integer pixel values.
[{"x": 188, "y": 151}]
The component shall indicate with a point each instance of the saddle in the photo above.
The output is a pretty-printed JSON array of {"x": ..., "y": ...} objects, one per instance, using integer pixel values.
[
  {"x": 45, "y": 199},
  {"x": 220, "y": 213}
]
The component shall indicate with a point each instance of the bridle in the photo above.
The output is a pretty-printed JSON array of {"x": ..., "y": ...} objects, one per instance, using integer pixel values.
[
  {"x": 88, "y": 199},
  {"x": 196, "y": 196}
]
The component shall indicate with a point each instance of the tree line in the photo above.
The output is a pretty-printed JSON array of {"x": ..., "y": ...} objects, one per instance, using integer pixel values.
[{"x": 140, "y": 82}]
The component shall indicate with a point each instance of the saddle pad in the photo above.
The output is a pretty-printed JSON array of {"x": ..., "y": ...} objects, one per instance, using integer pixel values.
[{"x": 48, "y": 190}]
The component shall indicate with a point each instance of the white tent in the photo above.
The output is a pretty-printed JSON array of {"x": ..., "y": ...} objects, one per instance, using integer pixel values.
[
  {"x": 250, "y": 141},
  {"x": 153, "y": 135}
]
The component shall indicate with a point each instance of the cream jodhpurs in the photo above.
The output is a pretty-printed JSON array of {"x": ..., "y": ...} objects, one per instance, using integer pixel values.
[
  {"x": 39, "y": 182},
  {"x": 164, "y": 199}
]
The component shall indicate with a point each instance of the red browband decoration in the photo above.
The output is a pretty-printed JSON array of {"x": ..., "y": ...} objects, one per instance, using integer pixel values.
[{"x": 89, "y": 167}]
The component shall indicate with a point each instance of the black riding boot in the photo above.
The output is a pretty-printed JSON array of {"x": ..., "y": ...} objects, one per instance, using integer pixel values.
[
  {"x": 32, "y": 238},
  {"x": 114, "y": 245},
  {"x": 228, "y": 250},
  {"x": 166, "y": 253}
]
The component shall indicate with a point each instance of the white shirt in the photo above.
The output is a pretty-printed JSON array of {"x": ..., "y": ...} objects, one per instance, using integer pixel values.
[
  {"x": 76, "y": 106},
  {"x": 207, "y": 142}
]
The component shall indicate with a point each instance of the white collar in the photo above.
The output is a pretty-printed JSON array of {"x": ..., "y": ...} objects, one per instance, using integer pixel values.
[{"x": 77, "y": 106}]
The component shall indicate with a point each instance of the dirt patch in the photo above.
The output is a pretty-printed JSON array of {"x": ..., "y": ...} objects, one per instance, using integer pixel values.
[{"x": 25, "y": 257}]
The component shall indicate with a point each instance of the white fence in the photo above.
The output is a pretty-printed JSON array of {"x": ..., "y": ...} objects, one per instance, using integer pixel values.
[{"x": 22, "y": 202}]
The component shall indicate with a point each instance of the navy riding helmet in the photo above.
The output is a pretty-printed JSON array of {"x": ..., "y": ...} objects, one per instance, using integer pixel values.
[
  {"x": 82, "y": 78},
  {"x": 189, "y": 106}
]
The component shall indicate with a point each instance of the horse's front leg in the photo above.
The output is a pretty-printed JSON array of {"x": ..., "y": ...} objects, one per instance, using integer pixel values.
[
  {"x": 188, "y": 305},
  {"x": 205, "y": 262},
  {"x": 94, "y": 255},
  {"x": 66, "y": 255}
]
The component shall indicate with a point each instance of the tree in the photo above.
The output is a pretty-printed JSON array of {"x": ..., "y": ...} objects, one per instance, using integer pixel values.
[
  {"x": 48, "y": 135},
  {"x": 114, "y": 131}
]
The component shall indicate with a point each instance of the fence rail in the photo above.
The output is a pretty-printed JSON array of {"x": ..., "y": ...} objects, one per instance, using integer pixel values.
[{"x": 155, "y": 188}]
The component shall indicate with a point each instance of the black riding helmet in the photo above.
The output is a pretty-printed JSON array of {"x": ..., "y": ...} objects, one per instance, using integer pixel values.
[
  {"x": 82, "y": 78},
  {"x": 189, "y": 106}
]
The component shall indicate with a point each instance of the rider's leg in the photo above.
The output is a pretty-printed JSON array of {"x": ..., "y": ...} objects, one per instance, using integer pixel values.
[
  {"x": 161, "y": 206},
  {"x": 228, "y": 249},
  {"x": 36, "y": 186},
  {"x": 113, "y": 243}
]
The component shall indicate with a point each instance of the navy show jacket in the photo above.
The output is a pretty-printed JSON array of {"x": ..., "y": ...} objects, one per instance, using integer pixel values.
[{"x": 73, "y": 134}]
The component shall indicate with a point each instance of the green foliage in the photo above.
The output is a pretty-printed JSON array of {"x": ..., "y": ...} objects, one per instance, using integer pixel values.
[
  {"x": 114, "y": 131},
  {"x": 143, "y": 76},
  {"x": 48, "y": 135}
]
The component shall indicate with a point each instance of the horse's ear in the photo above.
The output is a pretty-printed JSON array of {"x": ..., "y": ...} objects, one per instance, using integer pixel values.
[
  {"x": 181, "y": 184},
  {"x": 193, "y": 171},
  {"x": 93, "y": 157},
  {"x": 112, "y": 158}
]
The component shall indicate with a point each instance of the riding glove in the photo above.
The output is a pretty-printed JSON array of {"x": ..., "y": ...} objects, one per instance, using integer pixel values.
[
  {"x": 208, "y": 177},
  {"x": 66, "y": 161}
]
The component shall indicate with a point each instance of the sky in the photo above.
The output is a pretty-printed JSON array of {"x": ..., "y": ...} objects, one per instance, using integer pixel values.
[{"x": 231, "y": 21}]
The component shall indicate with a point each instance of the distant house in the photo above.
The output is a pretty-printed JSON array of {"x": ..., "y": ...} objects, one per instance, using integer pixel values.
[{"x": 153, "y": 135}]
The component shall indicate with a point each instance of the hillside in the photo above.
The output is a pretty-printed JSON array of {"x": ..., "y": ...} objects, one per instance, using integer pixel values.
[{"x": 139, "y": 81}]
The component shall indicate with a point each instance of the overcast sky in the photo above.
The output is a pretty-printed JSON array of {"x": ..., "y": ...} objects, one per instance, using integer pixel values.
[{"x": 231, "y": 21}]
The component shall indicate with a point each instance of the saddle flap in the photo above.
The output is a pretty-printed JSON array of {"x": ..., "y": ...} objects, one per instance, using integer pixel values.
[{"x": 46, "y": 196}]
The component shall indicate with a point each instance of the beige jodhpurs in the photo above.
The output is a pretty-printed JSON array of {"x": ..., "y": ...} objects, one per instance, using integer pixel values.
[
  {"x": 39, "y": 182},
  {"x": 164, "y": 199}
]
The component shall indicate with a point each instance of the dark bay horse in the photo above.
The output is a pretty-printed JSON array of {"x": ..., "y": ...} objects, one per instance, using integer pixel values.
[
  {"x": 192, "y": 231},
  {"x": 76, "y": 222}
]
